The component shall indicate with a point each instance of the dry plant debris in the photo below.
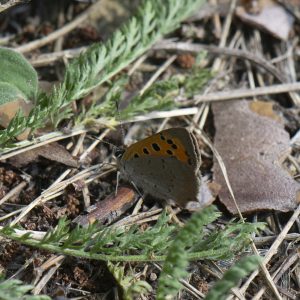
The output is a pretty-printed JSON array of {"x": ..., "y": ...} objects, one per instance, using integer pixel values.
[
  {"x": 58, "y": 172},
  {"x": 270, "y": 16},
  {"x": 253, "y": 143},
  {"x": 109, "y": 209}
]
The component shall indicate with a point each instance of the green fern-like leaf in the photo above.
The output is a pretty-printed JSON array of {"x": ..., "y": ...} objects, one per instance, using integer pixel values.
[
  {"x": 102, "y": 61},
  {"x": 131, "y": 286},
  {"x": 133, "y": 244},
  {"x": 231, "y": 278},
  {"x": 175, "y": 265}
]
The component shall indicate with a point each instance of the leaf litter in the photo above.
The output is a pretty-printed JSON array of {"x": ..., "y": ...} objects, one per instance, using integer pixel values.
[{"x": 84, "y": 278}]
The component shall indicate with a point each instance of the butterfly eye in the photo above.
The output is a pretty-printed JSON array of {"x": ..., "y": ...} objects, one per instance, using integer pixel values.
[{"x": 119, "y": 153}]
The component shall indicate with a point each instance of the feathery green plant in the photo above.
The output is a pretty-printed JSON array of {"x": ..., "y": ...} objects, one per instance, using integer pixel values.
[
  {"x": 192, "y": 237},
  {"x": 132, "y": 244},
  {"x": 102, "y": 61},
  {"x": 160, "y": 96},
  {"x": 130, "y": 285},
  {"x": 13, "y": 289},
  {"x": 231, "y": 277}
]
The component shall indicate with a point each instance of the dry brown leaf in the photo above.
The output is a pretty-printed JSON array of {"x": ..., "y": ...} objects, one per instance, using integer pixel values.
[
  {"x": 252, "y": 146},
  {"x": 53, "y": 151},
  {"x": 272, "y": 17},
  {"x": 110, "y": 208}
]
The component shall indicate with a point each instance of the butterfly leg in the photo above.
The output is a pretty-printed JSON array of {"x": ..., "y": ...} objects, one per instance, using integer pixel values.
[
  {"x": 136, "y": 188},
  {"x": 118, "y": 180}
]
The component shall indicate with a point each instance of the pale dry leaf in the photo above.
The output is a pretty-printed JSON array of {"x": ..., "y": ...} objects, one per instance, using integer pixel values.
[
  {"x": 252, "y": 146},
  {"x": 208, "y": 193},
  {"x": 272, "y": 17}
]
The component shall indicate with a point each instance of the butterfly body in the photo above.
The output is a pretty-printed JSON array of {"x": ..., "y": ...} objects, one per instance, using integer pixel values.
[{"x": 165, "y": 165}]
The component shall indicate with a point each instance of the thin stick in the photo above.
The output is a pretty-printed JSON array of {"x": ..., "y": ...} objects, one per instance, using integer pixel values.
[
  {"x": 274, "y": 247},
  {"x": 37, "y": 289},
  {"x": 60, "y": 32},
  {"x": 49, "y": 58},
  {"x": 15, "y": 191},
  {"x": 157, "y": 74},
  {"x": 225, "y": 32},
  {"x": 247, "y": 93},
  {"x": 40, "y": 141},
  {"x": 189, "y": 47},
  {"x": 11, "y": 3},
  {"x": 93, "y": 145}
]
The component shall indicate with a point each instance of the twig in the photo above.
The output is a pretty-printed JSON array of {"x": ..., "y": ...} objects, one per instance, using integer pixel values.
[
  {"x": 136, "y": 64},
  {"x": 278, "y": 273},
  {"x": 53, "y": 190},
  {"x": 136, "y": 218},
  {"x": 225, "y": 32},
  {"x": 247, "y": 93},
  {"x": 15, "y": 191},
  {"x": 56, "y": 261},
  {"x": 79, "y": 143},
  {"x": 11, "y": 3},
  {"x": 40, "y": 141},
  {"x": 94, "y": 144},
  {"x": 60, "y": 32},
  {"x": 49, "y": 58},
  {"x": 180, "y": 46},
  {"x": 274, "y": 247},
  {"x": 157, "y": 74}
]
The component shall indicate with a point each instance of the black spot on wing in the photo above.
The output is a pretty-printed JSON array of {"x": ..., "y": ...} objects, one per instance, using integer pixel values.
[{"x": 155, "y": 147}]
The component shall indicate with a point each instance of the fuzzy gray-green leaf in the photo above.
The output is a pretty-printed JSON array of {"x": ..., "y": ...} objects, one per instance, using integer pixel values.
[
  {"x": 18, "y": 73},
  {"x": 8, "y": 93}
]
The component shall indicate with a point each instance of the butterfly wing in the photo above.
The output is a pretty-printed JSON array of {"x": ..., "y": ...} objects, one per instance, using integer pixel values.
[
  {"x": 164, "y": 178},
  {"x": 165, "y": 165},
  {"x": 173, "y": 142}
]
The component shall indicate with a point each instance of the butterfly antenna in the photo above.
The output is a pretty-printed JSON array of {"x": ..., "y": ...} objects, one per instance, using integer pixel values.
[{"x": 106, "y": 142}]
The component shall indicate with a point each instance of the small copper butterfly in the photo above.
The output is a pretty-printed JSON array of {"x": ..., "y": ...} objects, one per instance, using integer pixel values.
[{"x": 164, "y": 165}]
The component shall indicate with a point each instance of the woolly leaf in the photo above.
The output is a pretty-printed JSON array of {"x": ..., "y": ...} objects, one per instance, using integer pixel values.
[{"x": 18, "y": 75}]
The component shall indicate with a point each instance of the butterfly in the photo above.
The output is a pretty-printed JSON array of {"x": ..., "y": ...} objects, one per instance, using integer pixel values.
[{"x": 164, "y": 165}]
